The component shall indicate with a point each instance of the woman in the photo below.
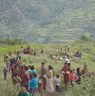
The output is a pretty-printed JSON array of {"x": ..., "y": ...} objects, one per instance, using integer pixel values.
[
  {"x": 73, "y": 77},
  {"x": 66, "y": 72},
  {"x": 33, "y": 85},
  {"x": 49, "y": 85}
]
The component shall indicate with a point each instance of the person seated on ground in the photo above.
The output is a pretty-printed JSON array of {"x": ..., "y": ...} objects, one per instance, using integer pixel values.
[
  {"x": 27, "y": 50},
  {"x": 41, "y": 86},
  {"x": 24, "y": 91},
  {"x": 57, "y": 82},
  {"x": 78, "y": 54},
  {"x": 24, "y": 50},
  {"x": 79, "y": 75}
]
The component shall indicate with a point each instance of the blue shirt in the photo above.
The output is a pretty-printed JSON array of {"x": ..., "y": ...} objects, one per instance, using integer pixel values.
[
  {"x": 33, "y": 72},
  {"x": 33, "y": 83}
]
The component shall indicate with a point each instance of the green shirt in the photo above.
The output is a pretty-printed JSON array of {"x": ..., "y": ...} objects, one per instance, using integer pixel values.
[{"x": 24, "y": 94}]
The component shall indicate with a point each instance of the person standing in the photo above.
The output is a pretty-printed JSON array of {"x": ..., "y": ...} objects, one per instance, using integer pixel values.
[
  {"x": 5, "y": 73},
  {"x": 79, "y": 75},
  {"x": 58, "y": 82},
  {"x": 66, "y": 71},
  {"x": 49, "y": 84},
  {"x": 43, "y": 73},
  {"x": 33, "y": 85},
  {"x": 33, "y": 70},
  {"x": 73, "y": 77},
  {"x": 40, "y": 88}
]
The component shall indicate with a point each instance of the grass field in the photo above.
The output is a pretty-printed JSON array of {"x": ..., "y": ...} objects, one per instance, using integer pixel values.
[{"x": 87, "y": 49}]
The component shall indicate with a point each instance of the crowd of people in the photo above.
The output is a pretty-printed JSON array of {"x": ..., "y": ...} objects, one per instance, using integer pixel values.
[
  {"x": 30, "y": 51},
  {"x": 33, "y": 83}
]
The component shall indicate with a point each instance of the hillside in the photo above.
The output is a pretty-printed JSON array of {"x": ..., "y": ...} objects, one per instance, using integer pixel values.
[
  {"x": 47, "y": 21},
  {"x": 87, "y": 88}
]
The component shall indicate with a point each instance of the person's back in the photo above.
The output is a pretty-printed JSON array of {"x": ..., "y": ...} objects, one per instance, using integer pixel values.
[
  {"x": 73, "y": 76},
  {"x": 33, "y": 71},
  {"x": 34, "y": 83}
]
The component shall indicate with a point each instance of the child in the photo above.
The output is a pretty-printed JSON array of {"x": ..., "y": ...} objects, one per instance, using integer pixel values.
[
  {"x": 24, "y": 91},
  {"x": 41, "y": 85},
  {"x": 58, "y": 81}
]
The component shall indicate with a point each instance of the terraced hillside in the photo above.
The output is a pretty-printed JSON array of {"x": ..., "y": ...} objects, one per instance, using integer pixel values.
[{"x": 47, "y": 21}]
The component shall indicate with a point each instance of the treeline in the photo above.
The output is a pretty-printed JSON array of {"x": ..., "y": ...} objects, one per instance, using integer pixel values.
[{"x": 11, "y": 41}]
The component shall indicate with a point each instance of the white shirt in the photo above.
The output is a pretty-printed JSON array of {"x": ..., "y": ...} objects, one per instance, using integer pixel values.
[
  {"x": 68, "y": 60},
  {"x": 57, "y": 81}
]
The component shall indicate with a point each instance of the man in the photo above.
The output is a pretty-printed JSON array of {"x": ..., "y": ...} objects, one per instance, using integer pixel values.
[
  {"x": 24, "y": 91},
  {"x": 43, "y": 73}
]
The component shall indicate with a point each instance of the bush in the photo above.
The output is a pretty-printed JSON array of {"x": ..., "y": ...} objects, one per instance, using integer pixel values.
[
  {"x": 11, "y": 42},
  {"x": 85, "y": 38}
]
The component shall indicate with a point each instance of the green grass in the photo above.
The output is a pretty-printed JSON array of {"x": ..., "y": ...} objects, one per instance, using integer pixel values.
[{"x": 88, "y": 55}]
